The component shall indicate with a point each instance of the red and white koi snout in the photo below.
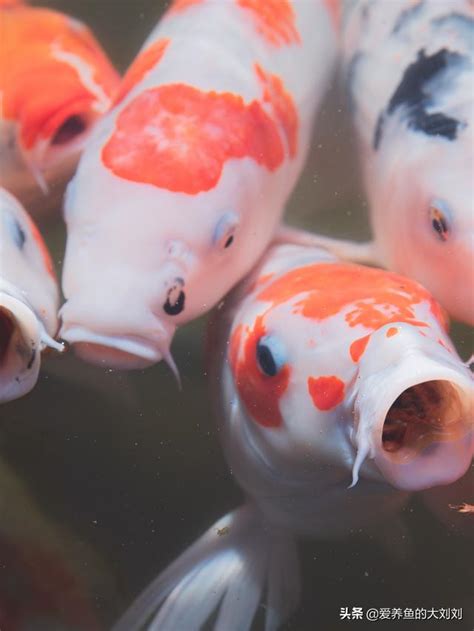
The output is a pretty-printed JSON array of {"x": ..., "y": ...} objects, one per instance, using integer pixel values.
[{"x": 413, "y": 409}]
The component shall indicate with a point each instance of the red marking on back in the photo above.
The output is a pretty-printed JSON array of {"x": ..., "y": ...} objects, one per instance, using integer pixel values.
[
  {"x": 377, "y": 297},
  {"x": 182, "y": 5},
  {"x": 259, "y": 393},
  {"x": 38, "y": 239},
  {"x": 283, "y": 106},
  {"x": 358, "y": 347},
  {"x": 391, "y": 331},
  {"x": 326, "y": 392},
  {"x": 274, "y": 20},
  {"x": 335, "y": 12},
  {"x": 38, "y": 90},
  {"x": 178, "y": 138},
  {"x": 145, "y": 61}
]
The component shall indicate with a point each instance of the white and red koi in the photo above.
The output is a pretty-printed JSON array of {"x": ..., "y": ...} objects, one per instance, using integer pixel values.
[
  {"x": 29, "y": 298},
  {"x": 410, "y": 71},
  {"x": 55, "y": 82},
  {"x": 326, "y": 370},
  {"x": 184, "y": 182}
]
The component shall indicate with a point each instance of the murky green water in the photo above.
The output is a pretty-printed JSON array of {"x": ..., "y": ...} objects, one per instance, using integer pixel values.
[{"x": 108, "y": 476}]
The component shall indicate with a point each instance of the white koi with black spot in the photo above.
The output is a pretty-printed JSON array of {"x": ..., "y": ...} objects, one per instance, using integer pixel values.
[{"x": 409, "y": 69}]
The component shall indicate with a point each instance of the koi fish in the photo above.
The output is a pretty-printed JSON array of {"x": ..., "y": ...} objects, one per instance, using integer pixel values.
[
  {"x": 410, "y": 71},
  {"x": 55, "y": 82},
  {"x": 29, "y": 298},
  {"x": 327, "y": 370},
  {"x": 184, "y": 182}
]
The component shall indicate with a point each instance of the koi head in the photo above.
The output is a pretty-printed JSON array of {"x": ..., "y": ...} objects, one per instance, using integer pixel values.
[
  {"x": 321, "y": 359},
  {"x": 173, "y": 201},
  {"x": 28, "y": 299},
  {"x": 135, "y": 271},
  {"x": 55, "y": 83},
  {"x": 423, "y": 210}
]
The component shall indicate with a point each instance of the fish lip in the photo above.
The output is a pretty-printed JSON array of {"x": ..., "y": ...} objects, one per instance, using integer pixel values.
[
  {"x": 133, "y": 345},
  {"x": 416, "y": 467},
  {"x": 434, "y": 425},
  {"x": 19, "y": 362}
]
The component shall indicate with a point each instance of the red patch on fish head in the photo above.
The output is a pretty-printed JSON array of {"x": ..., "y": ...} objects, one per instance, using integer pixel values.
[
  {"x": 326, "y": 392},
  {"x": 374, "y": 297},
  {"x": 145, "y": 61},
  {"x": 283, "y": 106},
  {"x": 358, "y": 347},
  {"x": 274, "y": 20},
  {"x": 391, "y": 331},
  {"x": 259, "y": 392},
  {"x": 178, "y": 138}
]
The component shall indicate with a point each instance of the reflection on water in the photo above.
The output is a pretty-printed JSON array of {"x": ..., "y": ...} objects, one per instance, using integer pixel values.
[{"x": 127, "y": 470}]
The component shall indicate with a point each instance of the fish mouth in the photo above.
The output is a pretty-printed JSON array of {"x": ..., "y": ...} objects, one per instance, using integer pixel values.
[
  {"x": 114, "y": 351},
  {"x": 20, "y": 346},
  {"x": 413, "y": 411},
  {"x": 422, "y": 435},
  {"x": 424, "y": 414}
]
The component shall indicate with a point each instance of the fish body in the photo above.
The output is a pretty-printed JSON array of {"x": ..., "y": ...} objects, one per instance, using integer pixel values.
[
  {"x": 184, "y": 182},
  {"x": 409, "y": 70},
  {"x": 55, "y": 82},
  {"x": 29, "y": 299},
  {"x": 326, "y": 373}
]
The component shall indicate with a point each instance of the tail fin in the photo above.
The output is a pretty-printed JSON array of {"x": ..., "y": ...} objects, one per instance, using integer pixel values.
[{"x": 227, "y": 569}]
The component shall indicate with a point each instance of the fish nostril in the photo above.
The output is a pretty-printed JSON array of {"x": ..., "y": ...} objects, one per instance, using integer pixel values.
[
  {"x": 175, "y": 298},
  {"x": 73, "y": 126}
]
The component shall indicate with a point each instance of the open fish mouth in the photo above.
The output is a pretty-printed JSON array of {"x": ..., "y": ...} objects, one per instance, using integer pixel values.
[
  {"x": 413, "y": 412},
  {"x": 20, "y": 346},
  {"x": 424, "y": 414}
]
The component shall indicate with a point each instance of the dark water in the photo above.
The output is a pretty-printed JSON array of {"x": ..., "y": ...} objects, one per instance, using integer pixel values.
[{"x": 108, "y": 476}]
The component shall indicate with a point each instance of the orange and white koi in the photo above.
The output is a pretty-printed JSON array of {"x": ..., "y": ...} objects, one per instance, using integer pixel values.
[
  {"x": 326, "y": 370},
  {"x": 410, "y": 71},
  {"x": 29, "y": 298},
  {"x": 55, "y": 82},
  {"x": 184, "y": 182}
]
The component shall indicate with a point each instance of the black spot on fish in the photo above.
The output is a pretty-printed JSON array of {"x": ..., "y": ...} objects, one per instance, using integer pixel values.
[
  {"x": 414, "y": 95},
  {"x": 406, "y": 16}
]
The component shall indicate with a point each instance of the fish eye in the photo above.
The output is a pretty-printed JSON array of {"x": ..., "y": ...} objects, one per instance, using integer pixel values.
[
  {"x": 224, "y": 232},
  {"x": 72, "y": 127},
  {"x": 17, "y": 233},
  {"x": 271, "y": 355},
  {"x": 175, "y": 298},
  {"x": 439, "y": 218}
]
